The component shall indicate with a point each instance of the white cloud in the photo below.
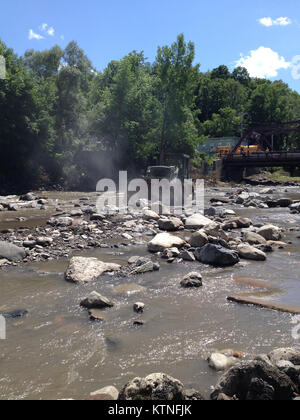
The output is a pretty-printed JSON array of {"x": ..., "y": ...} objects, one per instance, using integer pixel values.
[
  {"x": 267, "y": 21},
  {"x": 263, "y": 62},
  {"x": 51, "y": 31},
  {"x": 43, "y": 27},
  {"x": 281, "y": 21},
  {"x": 33, "y": 35}
]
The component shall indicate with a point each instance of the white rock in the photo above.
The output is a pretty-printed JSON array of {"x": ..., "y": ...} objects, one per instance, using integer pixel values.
[
  {"x": 197, "y": 221},
  {"x": 164, "y": 241},
  {"x": 219, "y": 362},
  {"x": 84, "y": 270},
  {"x": 108, "y": 390}
]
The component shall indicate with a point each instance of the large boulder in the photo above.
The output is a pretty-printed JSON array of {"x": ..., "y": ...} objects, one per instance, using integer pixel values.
[
  {"x": 254, "y": 239},
  {"x": 157, "y": 386},
  {"x": 217, "y": 255},
  {"x": 198, "y": 239},
  {"x": 249, "y": 252},
  {"x": 255, "y": 380},
  {"x": 96, "y": 301},
  {"x": 84, "y": 270},
  {"x": 170, "y": 225},
  {"x": 197, "y": 221},
  {"x": 270, "y": 233},
  {"x": 164, "y": 241},
  {"x": 11, "y": 252}
]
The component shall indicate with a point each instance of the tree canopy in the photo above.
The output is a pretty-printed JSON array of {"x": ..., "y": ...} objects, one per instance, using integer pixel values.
[{"x": 54, "y": 103}]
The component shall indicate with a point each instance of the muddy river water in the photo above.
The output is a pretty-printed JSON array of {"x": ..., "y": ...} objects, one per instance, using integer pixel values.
[{"x": 57, "y": 352}]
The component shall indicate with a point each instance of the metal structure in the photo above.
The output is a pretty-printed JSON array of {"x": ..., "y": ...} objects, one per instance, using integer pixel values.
[
  {"x": 234, "y": 164},
  {"x": 263, "y": 160},
  {"x": 263, "y": 134}
]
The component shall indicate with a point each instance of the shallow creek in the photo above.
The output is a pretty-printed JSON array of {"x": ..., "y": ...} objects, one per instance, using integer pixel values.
[{"x": 56, "y": 352}]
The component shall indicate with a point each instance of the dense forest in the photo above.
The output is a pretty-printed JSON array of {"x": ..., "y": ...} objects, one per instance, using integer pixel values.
[{"x": 54, "y": 103}]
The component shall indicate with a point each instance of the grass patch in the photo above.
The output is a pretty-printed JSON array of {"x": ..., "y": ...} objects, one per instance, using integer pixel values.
[{"x": 281, "y": 176}]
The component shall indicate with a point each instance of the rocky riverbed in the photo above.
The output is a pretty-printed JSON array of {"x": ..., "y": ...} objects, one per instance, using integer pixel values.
[{"x": 144, "y": 280}]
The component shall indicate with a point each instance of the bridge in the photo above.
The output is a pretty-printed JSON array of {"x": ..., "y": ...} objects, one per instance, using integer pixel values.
[
  {"x": 263, "y": 134},
  {"x": 263, "y": 160},
  {"x": 233, "y": 165}
]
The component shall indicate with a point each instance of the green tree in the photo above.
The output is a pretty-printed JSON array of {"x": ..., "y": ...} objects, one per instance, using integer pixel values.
[
  {"x": 18, "y": 128},
  {"x": 176, "y": 92},
  {"x": 44, "y": 64},
  {"x": 225, "y": 123},
  {"x": 125, "y": 112}
]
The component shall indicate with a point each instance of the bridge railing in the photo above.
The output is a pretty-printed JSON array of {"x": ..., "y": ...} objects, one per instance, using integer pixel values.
[{"x": 263, "y": 156}]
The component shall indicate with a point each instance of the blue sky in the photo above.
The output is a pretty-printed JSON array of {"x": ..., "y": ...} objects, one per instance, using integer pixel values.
[{"x": 265, "y": 32}]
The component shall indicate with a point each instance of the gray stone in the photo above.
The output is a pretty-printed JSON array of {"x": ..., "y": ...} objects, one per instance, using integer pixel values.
[
  {"x": 191, "y": 280},
  {"x": 193, "y": 395},
  {"x": 254, "y": 239},
  {"x": 28, "y": 197},
  {"x": 29, "y": 244},
  {"x": 170, "y": 225},
  {"x": 76, "y": 213},
  {"x": 16, "y": 313},
  {"x": 249, "y": 252},
  {"x": 96, "y": 301},
  {"x": 143, "y": 268},
  {"x": 216, "y": 255},
  {"x": 11, "y": 252},
  {"x": 157, "y": 386},
  {"x": 198, "y": 239},
  {"x": 187, "y": 256},
  {"x": 96, "y": 315},
  {"x": 288, "y": 354},
  {"x": 44, "y": 241},
  {"x": 270, "y": 233}
]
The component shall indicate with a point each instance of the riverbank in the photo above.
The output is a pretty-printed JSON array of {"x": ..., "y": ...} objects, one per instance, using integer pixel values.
[{"x": 65, "y": 226}]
